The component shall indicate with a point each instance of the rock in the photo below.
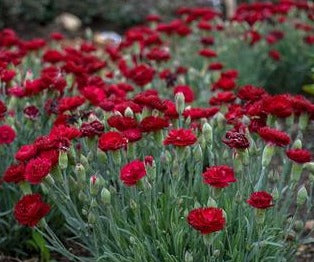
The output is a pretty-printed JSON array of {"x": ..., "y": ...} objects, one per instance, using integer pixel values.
[
  {"x": 107, "y": 36},
  {"x": 69, "y": 22}
]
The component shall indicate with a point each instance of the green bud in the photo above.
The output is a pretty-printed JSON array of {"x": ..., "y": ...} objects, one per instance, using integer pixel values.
[
  {"x": 303, "y": 121},
  {"x": 216, "y": 252},
  {"x": 91, "y": 218},
  {"x": 93, "y": 203},
  {"x": 133, "y": 204},
  {"x": 302, "y": 196},
  {"x": 207, "y": 131},
  {"x": 268, "y": 153},
  {"x": 298, "y": 225},
  {"x": 49, "y": 180},
  {"x": 180, "y": 102},
  {"x": 105, "y": 196},
  {"x": 12, "y": 103},
  {"x": 94, "y": 184},
  {"x": 116, "y": 157},
  {"x": 296, "y": 172},
  {"x": 275, "y": 193},
  {"x": 79, "y": 170},
  {"x": 309, "y": 166},
  {"x": 63, "y": 160},
  {"x": 84, "y": 161},
  {"x": 290, "y": 120},
  {"x": 297, "y": 144},
  {"x": 44, "y": 189},
  {"x": 101, "y": 156},
  {"x": 128, "y": 112},
  {"x": 188, "y": 257},
  {"x": 197, "y": 153},
  {"x": 158, "y": 136},
  {"x": 82, "y": 196},
  {"x": 211, "y": 202},
  {"x": 220, "y": 118}
]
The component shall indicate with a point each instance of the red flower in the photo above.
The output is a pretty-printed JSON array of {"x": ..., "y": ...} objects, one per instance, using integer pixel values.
[
  {"x": 180, "y": 137},
  {"x": 251, "y": 93},
  {"x": 207, "y": 53},
  {"x": 132, "y": 172},
  {"x": 148, "y": 160},
  {"x": 92, "y": 129},
  {"x": 70, "y": 103},
  {"x": 3, "y": 109},
  {"x": 37, "y": 169},
  {"x": 31, "y": 112},
  {"x": 197, "y": 113},
  {"x": 26, "y": 152},
  {"x": 224, "y": 83},
  {"x": 278, "y": 105},
  {"x": 236, "y": 140},
  {"x": 260, "y": 200},
  {"x": 7, "y": 134},
  {"x": 158, "y": 54},
  {"x": 274, "y": 136},
  {"x": 299, "y": 155},
  {"x": 53, "y": 56},
  {"x": 222, "y": 97},
  {"x": 133, "y": 135},
  {"x": 30, "y": 209},
  {"x": 274, "y": 54},
  {"x": 186, "y": 91},
  {"x": 219, "y": 176},
  {"x": 14, "y": 173},
  {"x": 215, "y": 66},
  {"x": 141, "y": 74},
  {"x": 153, "y": 124},
  {"x": 111, "y": 141},
  {"x": 207, "y": 219},
  {"x": 122, "y": 123}
]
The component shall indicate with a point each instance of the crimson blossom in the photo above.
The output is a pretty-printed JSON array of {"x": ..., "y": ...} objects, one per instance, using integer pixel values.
[
  {"x": 30, "y": 209},
  {"x": 132, "y": 172},
  {"x": 219, "y": 176},
  {"x": 207, "y": 219},
  {"x": 180, "y": 137}
]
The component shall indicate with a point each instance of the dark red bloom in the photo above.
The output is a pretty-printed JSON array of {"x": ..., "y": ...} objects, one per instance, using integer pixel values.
[
  {"x": 153, "y": 124},
  {"x": 158, "y": 54},
  {"x": 222, "y": 98},
  {"x": 14, "y": 173},
  {"x": 30, "y": 209},
  {"x": 275, "y": 55},
  {"x": 132, "y": 172},
  {"x": 70, "y": 103},
  {"x": 31, "y": 112},
  {"x": 299, "y": 155},
  {"x": 260, "y": 200},
  {"x": 37, "y": 169},
  {"x": 215, "y": 66},
  {"x": 197, "y": 113},
  {"x": 26, "y": 152},
  {"x": 236, "y": 140},
  {"x": 274, "y": 136},
  {"x": 92, "y": 129},
  {"x": 251, "y": 93},
  {"x": 219, "y": 176},
  {"x": 207, "y": 219},
  {"x": 180, "y": 137},
  {"x": 142, "y": 74},
  {"x": 278, "y": 105},
  {"x": 7, "y": 134},
  {"x": 186, "y": 91},
  {"x": 133, "y": 135},
  {"x": 111, "y": 141},
  {"x": 207, "y": 53},
  {"x": 3, "y": 109},
  {"x": 148, "y": 160},
  {"x": 122, "y": 123},
  {"x": 225, "y": 83}
]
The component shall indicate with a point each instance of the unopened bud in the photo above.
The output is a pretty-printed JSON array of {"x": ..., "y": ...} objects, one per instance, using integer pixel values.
[
  {"x": 128, "y": 112},
  {"x": 302, "y": 196},
  {"x": 216, "y": 252},
  {"x": 49, "y": 180},
  {"x": 207, "y": 131},
  {"x": 94, "y": 203},
  {"x": 94, "y": 185},
  {"x": 133, "y": 204},
  {"x": 84, "y": 160},
  {"x": 298, "y": 225},
  {"x": 267, "y": 154},
  {"x": 63, "y": 160},
  {"x": 309, "y": 166},
  {"x": 211, "y": 202},
  {"x": 296, "y": 172},
  {"x": 220, "y": 118},
  {"x": 303, "y": 121},
  {"x": 105, "y": 196},
  {"x": 91, "y": 218},
  {"x": 79, "y": 170},
  {"x": 116, "y": 157},
  {"x": 197, "y": 153},
  {"x": 259, "y": 215},
  {"x": 188, "y": 257},
  {"x": 297, "y": 144},
  {"x": 101, "y": 155},
  {"x": 180, "y": 102},
  {"x": 275, "y": 194}
]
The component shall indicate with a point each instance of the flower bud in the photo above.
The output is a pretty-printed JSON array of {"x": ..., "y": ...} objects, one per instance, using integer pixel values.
[
  {"x": 105, "y": 196},
  {"x": 116, "y": 157},
  {"x": 94, "y": 184},
  {"x": 303, "y": 121},
  {"x": 298, "y": 225},
  {"x": 302, "y": 196},
  {"x": 259, "y": 215},
  {"x": 84, "y": 161},
  {"x": 296, "y": 172},
  {"x": 180, "y": 102},
  {"x": 290, "y": 120},
  {"x": 91, "y": 218},
  {"x": 211, "y": 202},
  {"x": 220, "y": 118},
  {"x": 82, "y": 196},
  {"x": 133, "y": 204},
  {"x": 44, "y": 189},
  {"x": 63, "y": 160},
  {"x": 128, "y": 112},
  {"x": 188, "y": 257},
  {"x": 49, "y": 180},
  {"x": 216, "y": 253},
  {"x": 207, "y": 131},
  {"x": 101, "y": 156},
  {"x": 94, "y": 203},
  {"x": 275, "y": 193},
  {"x": 267, "y": 155},
  {"x": 79, "y": 170},
  {"x": 297, "y": 144},
  {"x": 309, "y": 166},
  {"x": 158, "y": 136},
  {"x": 197, "y": 153}
]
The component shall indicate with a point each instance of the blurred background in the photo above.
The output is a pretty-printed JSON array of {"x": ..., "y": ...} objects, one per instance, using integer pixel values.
[{"x": 39, "y": 17}]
